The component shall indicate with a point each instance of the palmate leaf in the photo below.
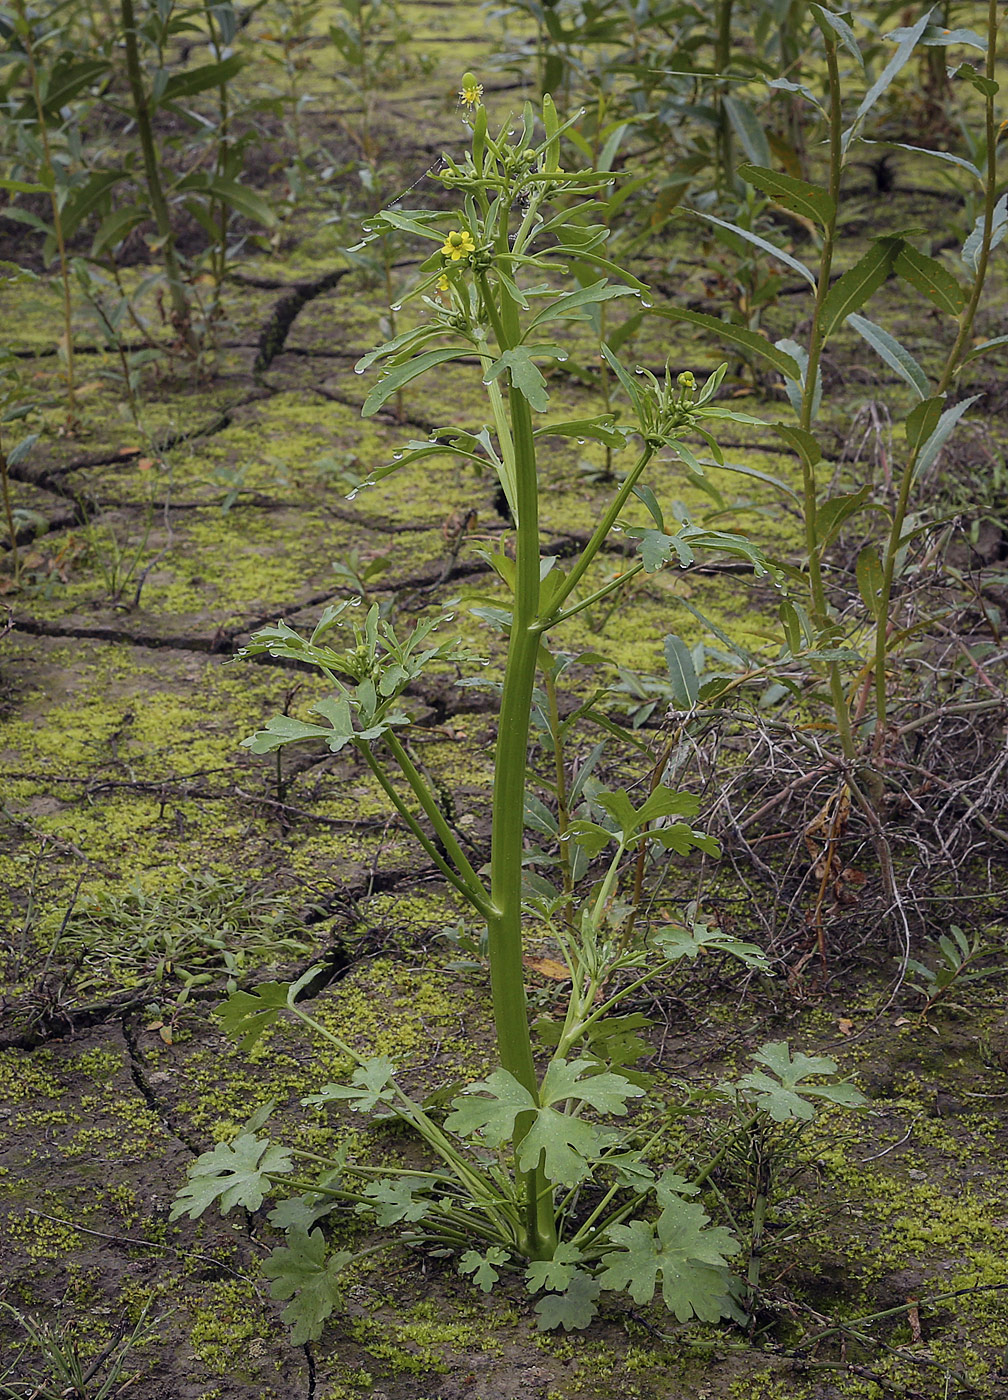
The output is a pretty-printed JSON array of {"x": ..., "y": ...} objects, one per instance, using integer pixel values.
[
  {"x": 525, "y": 375},
  {"x": 391, "y": 1201},
  {"x": 233, "y": 1174},
  {"x": 555, "y": 1273},
  {"x": 485, "y": 1268},
  {"x": 247, "y": 1014},
  {"x": 787, "y": 1096},
  {"x": 573, "y": 1309},
  {"x": 676, "y": 941},
  {"x": 489, "y": 1107},
  {"x": 683, "y": 1251},
  {"x": 369, "y": 1086},
  {"x": 657, "y": 548},
  {"x": 567, "y": 1144},
  {"x": 300, "y": 1271}
]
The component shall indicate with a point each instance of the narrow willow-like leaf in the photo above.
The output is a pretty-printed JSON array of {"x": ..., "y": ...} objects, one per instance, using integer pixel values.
[
  {"x": 749, "y": 130},
  {"x": 900, "y": 58},
  {"x": 931, "y": 277},
  {"x": 921, "y": 422},
  {"x": 763, "y": 244},
  {"x": 896, "y": 356},
  {"x": 811, "y": 201},
  {"x": 738, "y": 335},
  {"x": 682, "y": 673},
  {"x": 855, "y": 286},
  {"x": 803, "y": 442},
  {"x": 870, "y": 580},
  {"x": 941, "y": 434}
]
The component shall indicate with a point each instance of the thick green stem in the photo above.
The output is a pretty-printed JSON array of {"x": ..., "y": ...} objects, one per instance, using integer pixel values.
[
  {"x": 159, "y": 205},
  {"x": 952, "y": 365},
  {"x": 504, "y": 924},
  {"x": 560, "y": 779}
]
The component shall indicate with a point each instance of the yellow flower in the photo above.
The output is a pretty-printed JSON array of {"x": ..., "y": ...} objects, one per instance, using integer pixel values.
[
  {"x": 471, "y": 93},
  {"x": 443, "y": 284},
  {"x": 459, "y": 244}
]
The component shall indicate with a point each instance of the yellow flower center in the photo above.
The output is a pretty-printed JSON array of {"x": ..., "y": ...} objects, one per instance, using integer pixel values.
[{"x": 458, "y": 244}]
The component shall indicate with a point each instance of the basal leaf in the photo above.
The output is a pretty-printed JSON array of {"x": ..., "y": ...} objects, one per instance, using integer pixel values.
[
  {"x": 579, "y": 1080},
  {"x": 682, "y": 1251},
  {"x": 300, "y": 1271},
  {"x": 391, "y": 1201},
  {"x": 555, "y": 1273},
  {"x": 368, "y": 1087},
  {"x": 232, "y": 1174},
  {"x": 788, "y": 1095},
  {"x": 484, "y": 1268},
  {"x": 567, "y": 1145},
  {"x": 676, "y": 941},
  {"x": 573, "y": 1309},
  {"x": 247, "y": 1014},
  {"x": 490, "y": 1108}
]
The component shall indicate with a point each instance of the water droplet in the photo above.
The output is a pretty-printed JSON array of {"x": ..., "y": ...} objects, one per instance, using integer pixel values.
[
  {"x": 484, "y": 662},
  {"x": 396, "y": 456},
  {"x": 355, "y": 602},
  {"x": 358, "y": 369},
  {"x": 583, "y": 112},
  {"x": 639, "y": 369},
  {"x": 581, "y": 442},
  {"x": 396, "y": 307},
  {"x": 449, "y": 617},
  {"x": 648, "y": 304},
  {"x": 352, "y": 495},
  {"x": 562, "y": 355}
]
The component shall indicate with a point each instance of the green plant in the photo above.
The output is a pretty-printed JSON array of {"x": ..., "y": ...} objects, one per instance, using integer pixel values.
[
  {"x": 953, "y": 956},
  {"x": 206, "y": 930},
  {"x": 66, "y": 1371},
  {"x": 836, "y": 304},
  {"x": 534, "y": 1175},
  {"x": 47, "y": 140}
]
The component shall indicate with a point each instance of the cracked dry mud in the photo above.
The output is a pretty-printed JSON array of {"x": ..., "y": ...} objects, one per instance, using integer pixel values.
[{"x": 119, "y": 733}]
